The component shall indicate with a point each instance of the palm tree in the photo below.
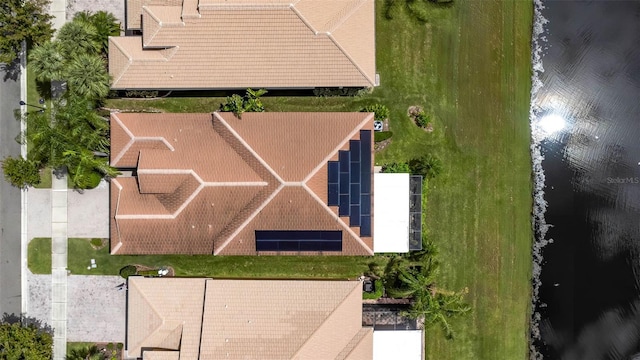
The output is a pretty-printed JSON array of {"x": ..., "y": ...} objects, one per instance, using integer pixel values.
[
  {"x": 47, "y": 62},
  {"x": 85, "y": 168},
  {"x": 85, "y": 353},
  {"x": 414, "y": 277},
  {"x": 46, "y": 141},
  {"x": 106, "y": 24},
  {"x": 438, "y": 307},
  {"x": 77, "y": 37},
  {"x": 87, "y": 77}
]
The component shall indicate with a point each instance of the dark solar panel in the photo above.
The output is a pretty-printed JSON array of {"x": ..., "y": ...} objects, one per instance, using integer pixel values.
[
  {"x": 354, "y": 218},
  {"x": 355, "y": 192},
  {"x": 343, "y": 210},
  {"x": 365, "y": 182},
  {"x": 350, "y": 183},
  {"x": 334, "y": 171},
  {"x": 354, "y": 147},
  {"x": 365, "y": 146},
  {"x": 344, "y": 183},
  {"x": 365, "y": 225},
  {"x": 293, "y": 240},
  {"x": 365, "y": 204},
  {"x": 334, "y": 197},
  {"x": 355, "y": 172},
  {"x": 344, "y": 160}
]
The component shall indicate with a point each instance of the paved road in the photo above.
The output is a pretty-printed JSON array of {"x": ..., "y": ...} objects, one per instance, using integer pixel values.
[{"x": 10, "y": 285}]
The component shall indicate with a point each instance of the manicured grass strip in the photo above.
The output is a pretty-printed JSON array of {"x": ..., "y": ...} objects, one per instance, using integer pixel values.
[
  {"x": 39, "y": 256},
  {"x": 32, "y": 98},
  {"x": 304, "y": 267}
]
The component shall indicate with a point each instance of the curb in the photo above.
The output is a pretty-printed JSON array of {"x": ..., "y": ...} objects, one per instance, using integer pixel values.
[{"x": 24, "y": 293}]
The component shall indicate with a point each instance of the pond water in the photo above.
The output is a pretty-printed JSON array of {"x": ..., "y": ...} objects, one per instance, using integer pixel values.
[{"x": 586, "y": 149}]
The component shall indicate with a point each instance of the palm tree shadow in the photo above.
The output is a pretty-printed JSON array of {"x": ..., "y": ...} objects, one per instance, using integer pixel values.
[{"x": 44, "y": 89}]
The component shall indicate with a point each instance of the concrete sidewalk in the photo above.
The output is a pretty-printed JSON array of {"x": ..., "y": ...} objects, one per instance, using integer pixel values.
[{"x": 59, "y": 265}]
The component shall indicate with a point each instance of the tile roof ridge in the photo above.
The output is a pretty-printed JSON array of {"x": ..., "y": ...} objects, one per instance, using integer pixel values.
[
  {"x": 354, "y": 342},
  {"x": 338, "y": 147},
  {"x": 249, "y": 219},
  {"x": 114, "y": 116},
  {"x": 148, "y": 38},
  {"x": 124, "y": 52},
  {"x": 248, "y": 147},
  {"x": 326, "y": 319},
  {"x": 355, "y": 64},
  {"x": 116, "y": 183},
  {"x": 354, "y": 6},
  {"x": 150, "y": 305},
  {"x": 337, "y": 217},
  {"x": 134, "y": 138},
  {"x": 247, "y": 6},
  {"x": 304, "y": 20}
]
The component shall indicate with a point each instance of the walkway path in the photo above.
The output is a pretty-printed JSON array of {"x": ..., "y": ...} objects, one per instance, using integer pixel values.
[
  {"x": 59, "y": 265},
  {"x": 59, "y": 11}
]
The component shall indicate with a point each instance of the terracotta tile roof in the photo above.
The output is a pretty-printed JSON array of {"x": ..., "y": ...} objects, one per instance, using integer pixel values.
[
  {"x": 166, "y": 317},
  {"x": 206, "y": 182},
  {"x": 253, "y": 43},
  {"x": 280, "y": 319},
  {"x": 249, "y": 319},
  {"x": 161, "y": 355}
]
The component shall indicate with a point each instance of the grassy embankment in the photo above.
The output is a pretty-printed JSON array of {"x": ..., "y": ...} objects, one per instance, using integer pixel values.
[{"x": 468, "y": 65}]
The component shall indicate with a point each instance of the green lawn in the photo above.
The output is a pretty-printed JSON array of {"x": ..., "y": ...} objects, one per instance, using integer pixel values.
[
  {"x": 80, "y": 253},
  {"x": 468, "y": 65},
  {"x": 39, "y": 256},
  {"x": 33, "y": 96}
]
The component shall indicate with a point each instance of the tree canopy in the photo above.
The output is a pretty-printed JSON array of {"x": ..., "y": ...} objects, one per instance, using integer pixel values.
[
  {"x": 21, "y": 172},
  {"x": 413, "y": 276},
  {"x": 73, "y": 136},
  {"x": 78, "y": 55},
  {"x": 20, "y": 20},
  {"x": 24, "y": 339}
]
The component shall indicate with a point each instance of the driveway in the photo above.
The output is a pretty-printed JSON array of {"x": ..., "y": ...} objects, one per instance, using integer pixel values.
[
  {"x": 87, "y": 213},
  {"x": 96, "y": 310},
  {"x": 116, "y": 7}
]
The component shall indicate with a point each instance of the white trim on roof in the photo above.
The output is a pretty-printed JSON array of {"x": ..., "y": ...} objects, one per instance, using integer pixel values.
[{"x": 391, "y": 220}]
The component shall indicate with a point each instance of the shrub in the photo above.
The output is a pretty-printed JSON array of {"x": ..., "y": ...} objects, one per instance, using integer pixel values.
[
  {"x": 97, "y": 242},
  {"x": 327, "y": 92},
  {"x": 148, "y": 272},
  {"x": 422, "y": 119},
  {"x": 127, "y": 271},
  {"x": 250, "y": 102},
  {"x": 119, "y": 346},
  {"x": 110, "y": 346},
  {"x": 382, "y": 135},
  {"x": 396, "y": 168},
  {"x": 429, "y": 166},
  {"x": 381, "y": 112},
  {"x": 21, "y": 172},
  {"x": 141, "y": 93}
]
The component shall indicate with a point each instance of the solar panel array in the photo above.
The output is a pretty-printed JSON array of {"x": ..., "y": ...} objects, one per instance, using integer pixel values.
[
  {"x": 295, "y": 240},
  {"x": 350, "y": 183}
]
